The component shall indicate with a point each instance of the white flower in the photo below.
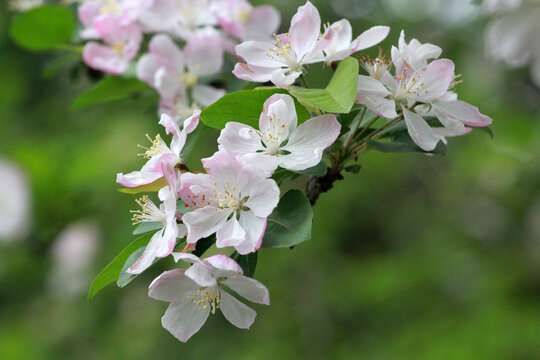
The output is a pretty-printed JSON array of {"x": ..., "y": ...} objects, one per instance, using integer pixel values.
[
  {"x": 15, "y": 217},
  {"x": 296, "y": 148},
  {"x": 196, "y": 292}
]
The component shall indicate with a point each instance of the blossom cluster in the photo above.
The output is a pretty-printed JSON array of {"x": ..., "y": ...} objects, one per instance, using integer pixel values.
[{"x": 413, "y": 90}]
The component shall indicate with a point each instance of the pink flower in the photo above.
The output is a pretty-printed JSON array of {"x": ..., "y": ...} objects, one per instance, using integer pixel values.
[
  {"x": 122, "y": 38},
  {"x": 239, "y": 19},
  {"x": 196, "y": 292},
  {"x": 160, "y": 153},
  {"x": 173, "y": 71},
  {"x": 424, "y": 86},
  {"x": 304, "y": 145},
  {"x": 163, "y": 241},
  {"x": 232, "y": 200},
  {"x": 342, "y": 44},
  {"x": 282, "y": 62}
]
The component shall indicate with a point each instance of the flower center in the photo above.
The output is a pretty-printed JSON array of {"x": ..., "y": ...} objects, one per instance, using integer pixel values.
[
  {"x": 118, "y": 48},
  {"x": 282, "y": 52},
  {"x": 188, "y": 79},
  {"x": 229, "y": 198},
  {"x": 409, "y": 83},
  {"x": 110, "y": 7},
  {"x": 158, "y": 147},
  {"x": 149, "y": 212},
  {"x": 376, "y": 67},
  {"x": 242, "y": 16},
  {"x": 272, "y": 135},
  {"x": 205, "y": 298}
]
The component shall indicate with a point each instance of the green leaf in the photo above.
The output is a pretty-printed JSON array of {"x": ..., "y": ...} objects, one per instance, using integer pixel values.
[
  {"x": 486, "y": 130},
  {"x": 43, "y": 28},
  {"x": 203, "y": 245},
  {"x": 339, "y": 95},
  {"x": 353, "y": 169},
  {"x": 109, "y": 89},
  {"x": 290, "y": 222},
  {"x": 124, "y": 277},
  {"x": 152, "y": 187},
  {"x": 111, "y": 272},
  {"x": 244, "y": 107},
  {"x": 146, "y": 226},
  {"x": 248, "y": 262}
]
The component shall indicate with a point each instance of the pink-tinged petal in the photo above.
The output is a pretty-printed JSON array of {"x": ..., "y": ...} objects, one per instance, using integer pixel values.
[
  {"x": 263, "y": 198},
  {"x": 437, "y": 78},
  {"x": 239, "y": 137},
  {"x": 249, "y": 288},
  {"x": 190, "y": 258},
  {"x": 148, "y": 256},
  {"x": 262, "y": 23},
  {"x": 420, "y": 132},
  {"x": 184, "y": 318},
  {"x": 169, "y": 285},
  {"x": 166, "y": 52},
  {"x": 167, "y": 83},
  {"x": 178, "y": 137},
  {"x": 201, "y": 273},
  {"x": 137, "y": 178},
  {"x": 369, "y": 38},
  {"x": 278, "y": 110},
  {"x": 230, "y": 233},
  {"x": 191, "y": 123},
  {"x": 316, "y": 54},
  {"x": 253, "y": 73},
  {"x": 370, "y": 86},
  {"x": 205, "y": 95},
  {"x": 204, "y": 222},
  {"x": 224, "y": 263},
  {"x": 259, "y": 164},
  {"x": 104, "y": 58},
  {"x": 443, "y": 132},
  {"x": 305, "y": 29},
  {"x": 146, "y": 69},
  {"x": 381, "y": 106},
  {"x": 308, "y": 142},
  {"x": 168, "y": 241},
  {"x": 254, "y": 227},
  {"x": 460, "y": 110},
  {"x": 283, "y": 77},
  {"x": 204, "y": 55},
  {"x": 238, "y": 314},
  {"x": 232, "y": 27},
  {"x": 448, "y": 96},
  {"x": 259, "y": 54}
]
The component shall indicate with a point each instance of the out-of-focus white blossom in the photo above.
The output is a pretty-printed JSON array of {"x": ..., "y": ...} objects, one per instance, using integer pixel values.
[
  {"x": 24, "y": 5},
  {"x": 73, "y": 253},
  {"x": 513, "y": 36},
  {"x": 15, "y": 220}
]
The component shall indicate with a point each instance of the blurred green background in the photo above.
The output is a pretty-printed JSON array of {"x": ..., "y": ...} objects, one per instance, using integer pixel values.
[{"x": 417, "y": 257}]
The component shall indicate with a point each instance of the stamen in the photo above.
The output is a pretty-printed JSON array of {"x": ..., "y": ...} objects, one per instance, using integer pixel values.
[
  {"x": 149, "y": 212},
  {"x": 204, "y": 298}
]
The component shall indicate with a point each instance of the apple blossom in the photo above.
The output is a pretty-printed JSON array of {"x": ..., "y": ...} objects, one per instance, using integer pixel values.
[
  {"x": 240, "y": 19},
  {"x": 196, "y": 292},
  {"x": 160, "y": 153},
  {"x": 15, "y": 202},
  {"x": 173, "y": 71},
  {"x": 232, "y": 200},
  {"x": 122, "y": 38},
  {"x": 163, "y": 241},
  {"x": 282, "y": 62},
  {"x": 342, "y": 44},
  {"x": 296, "y": 148},
  {"x": 418, "y": 83}
]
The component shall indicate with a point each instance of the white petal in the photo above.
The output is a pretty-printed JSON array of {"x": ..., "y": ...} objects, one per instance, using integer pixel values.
[
  {"x": 420, "y": 132},
  {"x": 370, "y": 37},
  {"x": 257, "y": 53},
  {"x": 460, "y": 110},
  {"x": 263, "y": 198},
  {"x": 148, "y": 256},
  {"x": 307, "y": 143},
  {"x": 171, "y": 284},
  {"x": 184, "y": 318},
  {"x": 254, "y": 227},
  {"x": 230, "y": 233},
  {"x": 203, "y": 222},
  {"x": 201, "y": 274},
  {"x": 305, "y": 29},
  {"x": 239, "y": 314},
  {"x": 239, "y": 137},
  {"x": 249, "y": 288},
  {"x": 206, "y": 95},
  {"x": 225, "y": 264}
]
